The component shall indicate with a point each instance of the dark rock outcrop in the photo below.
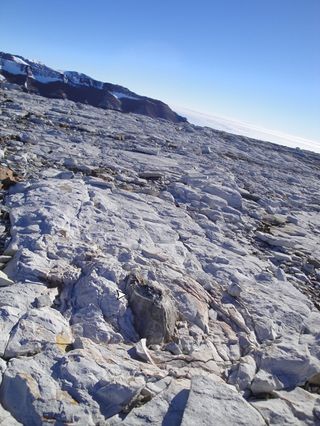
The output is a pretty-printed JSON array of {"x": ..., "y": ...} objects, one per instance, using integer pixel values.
[
  {"x": 155, "y": 315},
  {"x": 42, "y": 80}
]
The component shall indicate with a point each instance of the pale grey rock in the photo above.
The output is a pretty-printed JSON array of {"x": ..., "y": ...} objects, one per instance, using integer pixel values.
[
  {"x": 213, "y": 201},
  {"x": 192, "y": 232},
  {"x": 265, "y": 330},
  {"x": 276, "y": 412},
  {"x": 282, "y": 257},
  {"x": 21, "y": 296},
  {"x": 232, "y": 196},
  {"x": 243, "y": 373},
  {"x": 4, "y": 280},
  {"x": 142, "y": 351},
  {"x": 156, "y": 386},
  {"x": 89, "y": 322},
  {"x": 9, "y": 316},
  {"x": 43, "y": 300},
  {"x": 281, "y": 275},
  {"x": 213, "y": 315},
  {"x": 5, "y": 259},
  {"x": 214, "y": 402},
  {"x": 295, "y": 407},
  {"x": 276, "y": 241},
  {"x": 192, "y": 302},
  {"x": 166, "y": 408},
  {"x": 30, "y": 395},
  {"x": 146, "y": 150},
  {"x": 311, "y": 323},
  {"x": 6, "y": 418},
  {"x": 264, "y": 383},
  {"x": 305, "y": 404},
  {"x": 234, "y": 290},
  {"x": 37, "y": 328},
  {"x": 288, "y": 365},
  {"x": 26, "y": 137},
  {"x": 110, "y": 381}
]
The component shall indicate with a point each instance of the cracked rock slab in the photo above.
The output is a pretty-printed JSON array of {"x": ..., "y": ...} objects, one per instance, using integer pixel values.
[
  {"x": 214, "y": 403},
  {"x": 36, "y": 329},
  {"x": 166, "y": 408}
]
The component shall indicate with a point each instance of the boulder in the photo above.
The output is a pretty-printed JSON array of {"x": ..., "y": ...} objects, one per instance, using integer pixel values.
[
  {"x": 243, "y": 373},
  {"x": 296, "y": 407},
  {"x": 285, "y": 366},
  {"x": 234, "y": 290},
  {"x": 264, "y": 383},
  {"x": 154, "y": 312}
]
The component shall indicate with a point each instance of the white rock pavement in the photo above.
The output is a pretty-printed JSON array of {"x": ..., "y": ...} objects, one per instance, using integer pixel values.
[
  {"x": 214, "y": 402},
  {"x": 146, "y": 280}
]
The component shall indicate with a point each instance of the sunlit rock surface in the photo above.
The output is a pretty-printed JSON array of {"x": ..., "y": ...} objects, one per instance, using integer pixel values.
[{"x": 154, "y": 273}]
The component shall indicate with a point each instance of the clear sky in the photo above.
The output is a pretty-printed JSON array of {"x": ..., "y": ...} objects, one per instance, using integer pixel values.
[{"x": 253, "y": 60}]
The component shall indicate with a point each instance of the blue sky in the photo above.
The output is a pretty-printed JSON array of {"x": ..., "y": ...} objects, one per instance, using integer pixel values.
[{"x": 253, "y": 60}]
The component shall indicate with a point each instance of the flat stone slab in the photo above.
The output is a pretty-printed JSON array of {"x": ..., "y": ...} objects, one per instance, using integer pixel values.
[{"x": 215, "y": 403}]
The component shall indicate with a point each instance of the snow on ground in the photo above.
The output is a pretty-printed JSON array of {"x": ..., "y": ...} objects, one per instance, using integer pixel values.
[
  {"x": 246, "y": 129},
  {"x": 154, "y": 273}
]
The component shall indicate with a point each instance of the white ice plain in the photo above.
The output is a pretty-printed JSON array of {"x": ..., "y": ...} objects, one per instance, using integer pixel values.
[{"x": 247, "y": 129}]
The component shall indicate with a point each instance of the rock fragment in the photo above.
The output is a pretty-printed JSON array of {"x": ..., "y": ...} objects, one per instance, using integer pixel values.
[
  {"x": 155, "y": 315},
  {"x": 142, "y": 351},
  {"x": 7, "y": 178},
  {"x": 5, "y": 280}
]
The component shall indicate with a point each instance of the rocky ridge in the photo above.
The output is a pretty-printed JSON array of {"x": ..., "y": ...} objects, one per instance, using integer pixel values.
[
  {"x": 35, "y": 77},
  {"x": 154, "y": 272}
]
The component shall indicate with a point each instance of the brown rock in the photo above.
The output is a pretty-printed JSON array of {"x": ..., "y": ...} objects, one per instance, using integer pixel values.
[{"x": 7, "y": 177}]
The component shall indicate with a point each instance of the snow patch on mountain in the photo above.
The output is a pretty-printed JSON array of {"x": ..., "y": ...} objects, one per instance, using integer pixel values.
[
  {"x": 120, "y": 95},
  {"x": 80, "y": 79},
  {"x": 12, "y": 67}
]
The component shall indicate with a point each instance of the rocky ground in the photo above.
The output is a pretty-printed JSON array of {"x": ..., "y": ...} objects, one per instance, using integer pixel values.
[{"x": 154, "y": 273}]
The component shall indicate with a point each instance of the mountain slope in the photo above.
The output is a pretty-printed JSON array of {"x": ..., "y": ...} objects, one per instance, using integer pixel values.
[{"x": 42, "y": 80}]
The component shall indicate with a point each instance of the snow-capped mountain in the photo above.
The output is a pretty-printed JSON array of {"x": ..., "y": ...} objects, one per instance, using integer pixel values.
[{"x": 39, "y": 79}]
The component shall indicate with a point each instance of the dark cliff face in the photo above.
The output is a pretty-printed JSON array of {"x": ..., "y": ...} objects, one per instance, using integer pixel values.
[{"x": 42, "y": 80}]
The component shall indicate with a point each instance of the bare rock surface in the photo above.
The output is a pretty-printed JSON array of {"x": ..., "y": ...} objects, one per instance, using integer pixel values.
[
  {"x": 145, "y": 279},
  {"x": 213, "y": 402}
]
